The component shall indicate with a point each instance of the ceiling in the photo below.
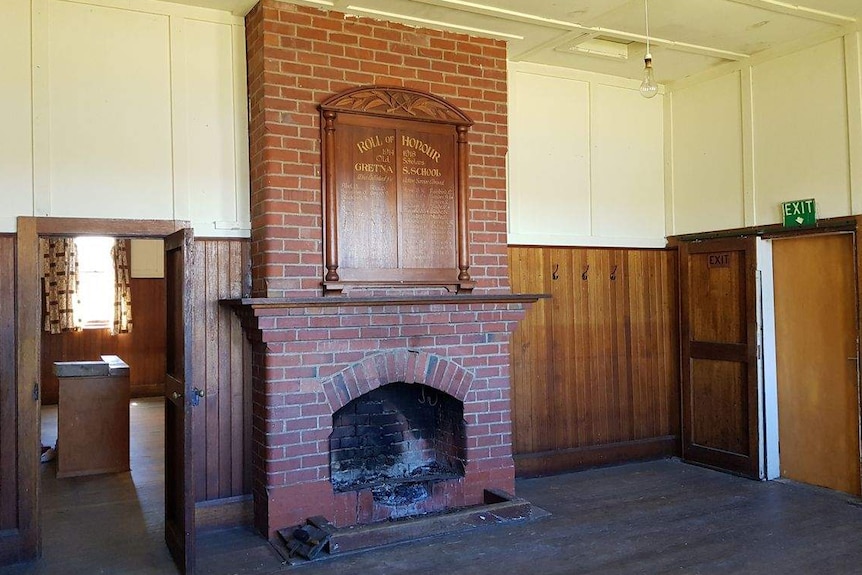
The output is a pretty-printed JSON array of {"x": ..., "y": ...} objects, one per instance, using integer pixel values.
[{"x": 608, "y": 36}]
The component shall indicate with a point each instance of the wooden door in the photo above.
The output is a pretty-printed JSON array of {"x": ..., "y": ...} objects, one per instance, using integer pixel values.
[
  {"x": 179, "y": 399},
  {"x": 20, "y": 325},
  {"x": 718, "y": 288},
  {"x": 816, "y": 353}
]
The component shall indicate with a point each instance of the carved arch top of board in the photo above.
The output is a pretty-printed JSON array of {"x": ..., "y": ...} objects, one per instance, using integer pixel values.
[{"x": 395, "y": 102}]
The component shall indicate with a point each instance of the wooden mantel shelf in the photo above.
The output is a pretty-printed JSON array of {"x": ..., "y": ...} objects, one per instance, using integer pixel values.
[{"x": 279, "y": 303}]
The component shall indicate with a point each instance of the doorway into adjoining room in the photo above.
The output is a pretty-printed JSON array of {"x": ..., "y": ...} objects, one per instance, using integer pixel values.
[
  {"x": 174, "y": 305},
  {"x": 116, "y": 307}
]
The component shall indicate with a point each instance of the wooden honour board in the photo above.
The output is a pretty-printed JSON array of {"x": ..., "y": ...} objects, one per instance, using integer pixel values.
[{"x": 395, "y": 192}]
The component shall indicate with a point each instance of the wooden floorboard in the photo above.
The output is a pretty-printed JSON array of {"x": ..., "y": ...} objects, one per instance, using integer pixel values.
[
  {"x": 655, "y": 517},
  {"x": 114, "y": 523},
  {"x": 645, "y": 518}
]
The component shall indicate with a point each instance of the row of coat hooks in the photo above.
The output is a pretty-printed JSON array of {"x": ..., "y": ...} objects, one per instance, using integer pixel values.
[{"x": 555, "y": 275}]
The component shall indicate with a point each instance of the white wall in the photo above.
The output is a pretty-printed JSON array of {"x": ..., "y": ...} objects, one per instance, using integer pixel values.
[
  {"x": 16, "y": 134},
  {"x": 707, "y": 156},
  {"x": 800, "y": 132},
  {"x": 786, "y": 126},
  {"x": 133, "y": 109},
  {"x": 586, "y": 160}
]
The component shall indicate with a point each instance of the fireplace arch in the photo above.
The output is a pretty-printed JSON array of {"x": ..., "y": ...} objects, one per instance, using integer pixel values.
[
  {"x": 400, "y": 434},
  {"x": 407, "y": 366}
]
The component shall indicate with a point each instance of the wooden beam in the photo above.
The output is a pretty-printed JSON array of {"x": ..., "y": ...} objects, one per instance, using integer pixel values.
[
  {"x": 104, "y": 227},
  {"x": 798, "y": 11},
  {"x": 256, "y": 303}
]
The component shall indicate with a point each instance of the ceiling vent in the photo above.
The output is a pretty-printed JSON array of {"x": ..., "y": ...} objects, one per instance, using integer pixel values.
[{"x": 602, "y": 47}]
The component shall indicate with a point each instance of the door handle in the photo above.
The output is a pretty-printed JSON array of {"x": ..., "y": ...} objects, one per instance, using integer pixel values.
[
  {"x": 176, "y": 395},
  {"x": 196, "y": 398}
]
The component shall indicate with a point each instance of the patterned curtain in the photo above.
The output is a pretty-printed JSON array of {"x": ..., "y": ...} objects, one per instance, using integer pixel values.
[
  {"x": 60, "y": 271},
  {"x": 122, "y": 289}
]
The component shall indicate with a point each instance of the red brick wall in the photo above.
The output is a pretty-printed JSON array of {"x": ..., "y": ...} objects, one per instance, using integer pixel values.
[
  {"x": 297, "y": 58},
  {"x": 300, "y": 56}
]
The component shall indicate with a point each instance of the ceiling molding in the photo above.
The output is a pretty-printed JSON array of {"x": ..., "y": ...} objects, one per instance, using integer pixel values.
[
  {"x": 798, "y": 11},
  {"x": 598, "y": 78}
]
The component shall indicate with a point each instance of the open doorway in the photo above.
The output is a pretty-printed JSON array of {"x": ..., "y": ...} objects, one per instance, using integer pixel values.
[
  {"x": 76, "y": 507},
  {"x": 29, "y": 321},
  {"x": 213, "y": 485}
]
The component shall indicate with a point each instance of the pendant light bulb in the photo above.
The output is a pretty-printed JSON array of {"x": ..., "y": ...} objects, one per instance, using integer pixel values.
[{"x": 648, "y": 87}]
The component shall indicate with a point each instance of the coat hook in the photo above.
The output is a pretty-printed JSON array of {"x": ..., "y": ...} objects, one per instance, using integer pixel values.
[
  {"x": 554, "y": 274},
  {"x": 584, "y": 275},
  {"x": 614, "y": 273}
]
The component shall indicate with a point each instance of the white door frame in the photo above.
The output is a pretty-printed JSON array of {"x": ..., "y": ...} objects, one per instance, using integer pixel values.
[{"x": 770, "y": 467}]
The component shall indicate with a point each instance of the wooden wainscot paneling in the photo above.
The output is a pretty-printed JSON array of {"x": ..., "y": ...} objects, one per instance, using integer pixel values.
[
  {"x": 8, "y": 436},
  {"x": 221, "y": 424},
  {"x": 595, "y": 369},
  {"x": 143, "y": 349}
]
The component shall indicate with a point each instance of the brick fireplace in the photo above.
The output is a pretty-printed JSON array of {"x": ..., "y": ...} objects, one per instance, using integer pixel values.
[
  {"x": 381, "y": 402},
  {"x": 398, "y": 441}
]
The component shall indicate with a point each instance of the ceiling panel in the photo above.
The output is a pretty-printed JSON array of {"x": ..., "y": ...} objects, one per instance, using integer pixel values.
[
  {"x": 845, "y": 7},
  {"x": 607, "y": 36},
  {"x": 521, "y": 36},
  {"x": 575, "y": 11},
  {"x": 719, "y": 24}
]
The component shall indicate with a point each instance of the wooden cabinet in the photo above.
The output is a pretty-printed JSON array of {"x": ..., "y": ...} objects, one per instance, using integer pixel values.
[{"x": 93, "y": 417}]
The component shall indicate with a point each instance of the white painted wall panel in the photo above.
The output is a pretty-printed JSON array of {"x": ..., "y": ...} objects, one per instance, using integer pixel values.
[
  {"x": 627, "y": 195},
  {"x": 110, "y": 150},
  {"x": 801, "y": 132},
  {"x": 585, "y": 160},
  {"x": 212, "y": 172},
  {"x": 708, "y": 156},
  {"x": 16, "y": 135},
  {"x": 549, "y": 156}
]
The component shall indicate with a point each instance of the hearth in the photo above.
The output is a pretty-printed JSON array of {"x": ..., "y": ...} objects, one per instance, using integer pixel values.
[{"x": 397, "y": 441}]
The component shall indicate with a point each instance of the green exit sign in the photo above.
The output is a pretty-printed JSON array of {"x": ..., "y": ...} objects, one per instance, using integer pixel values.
[{"x": 799, "y": 213}]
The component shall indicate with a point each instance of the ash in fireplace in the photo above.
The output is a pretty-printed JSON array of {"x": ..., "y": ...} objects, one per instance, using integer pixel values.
[
  {"x": 392, "y": 477},
  {"x": 399, "y": 494}
]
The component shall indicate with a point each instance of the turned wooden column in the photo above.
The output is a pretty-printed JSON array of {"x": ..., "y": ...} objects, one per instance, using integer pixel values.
[
  {"x": 463, "y": 214},
  {"x": 330, "y": 222}
]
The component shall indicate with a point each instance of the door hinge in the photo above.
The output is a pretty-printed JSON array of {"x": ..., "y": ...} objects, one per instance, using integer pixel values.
[
  {"x": 759, "y": 354},
  {"x": 35, "y": 392}
]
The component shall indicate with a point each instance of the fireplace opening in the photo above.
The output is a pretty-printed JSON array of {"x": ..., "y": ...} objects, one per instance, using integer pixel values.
[{"x": 397, "y": 440}]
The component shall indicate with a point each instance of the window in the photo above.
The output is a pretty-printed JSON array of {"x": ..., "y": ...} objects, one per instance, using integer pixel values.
[{"x": 95, "y": 308}]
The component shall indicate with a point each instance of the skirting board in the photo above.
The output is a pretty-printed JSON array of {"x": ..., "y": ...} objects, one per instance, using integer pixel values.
[
  {"x": 226, "y": 512},
  {"x": 576, "y": 459}
]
